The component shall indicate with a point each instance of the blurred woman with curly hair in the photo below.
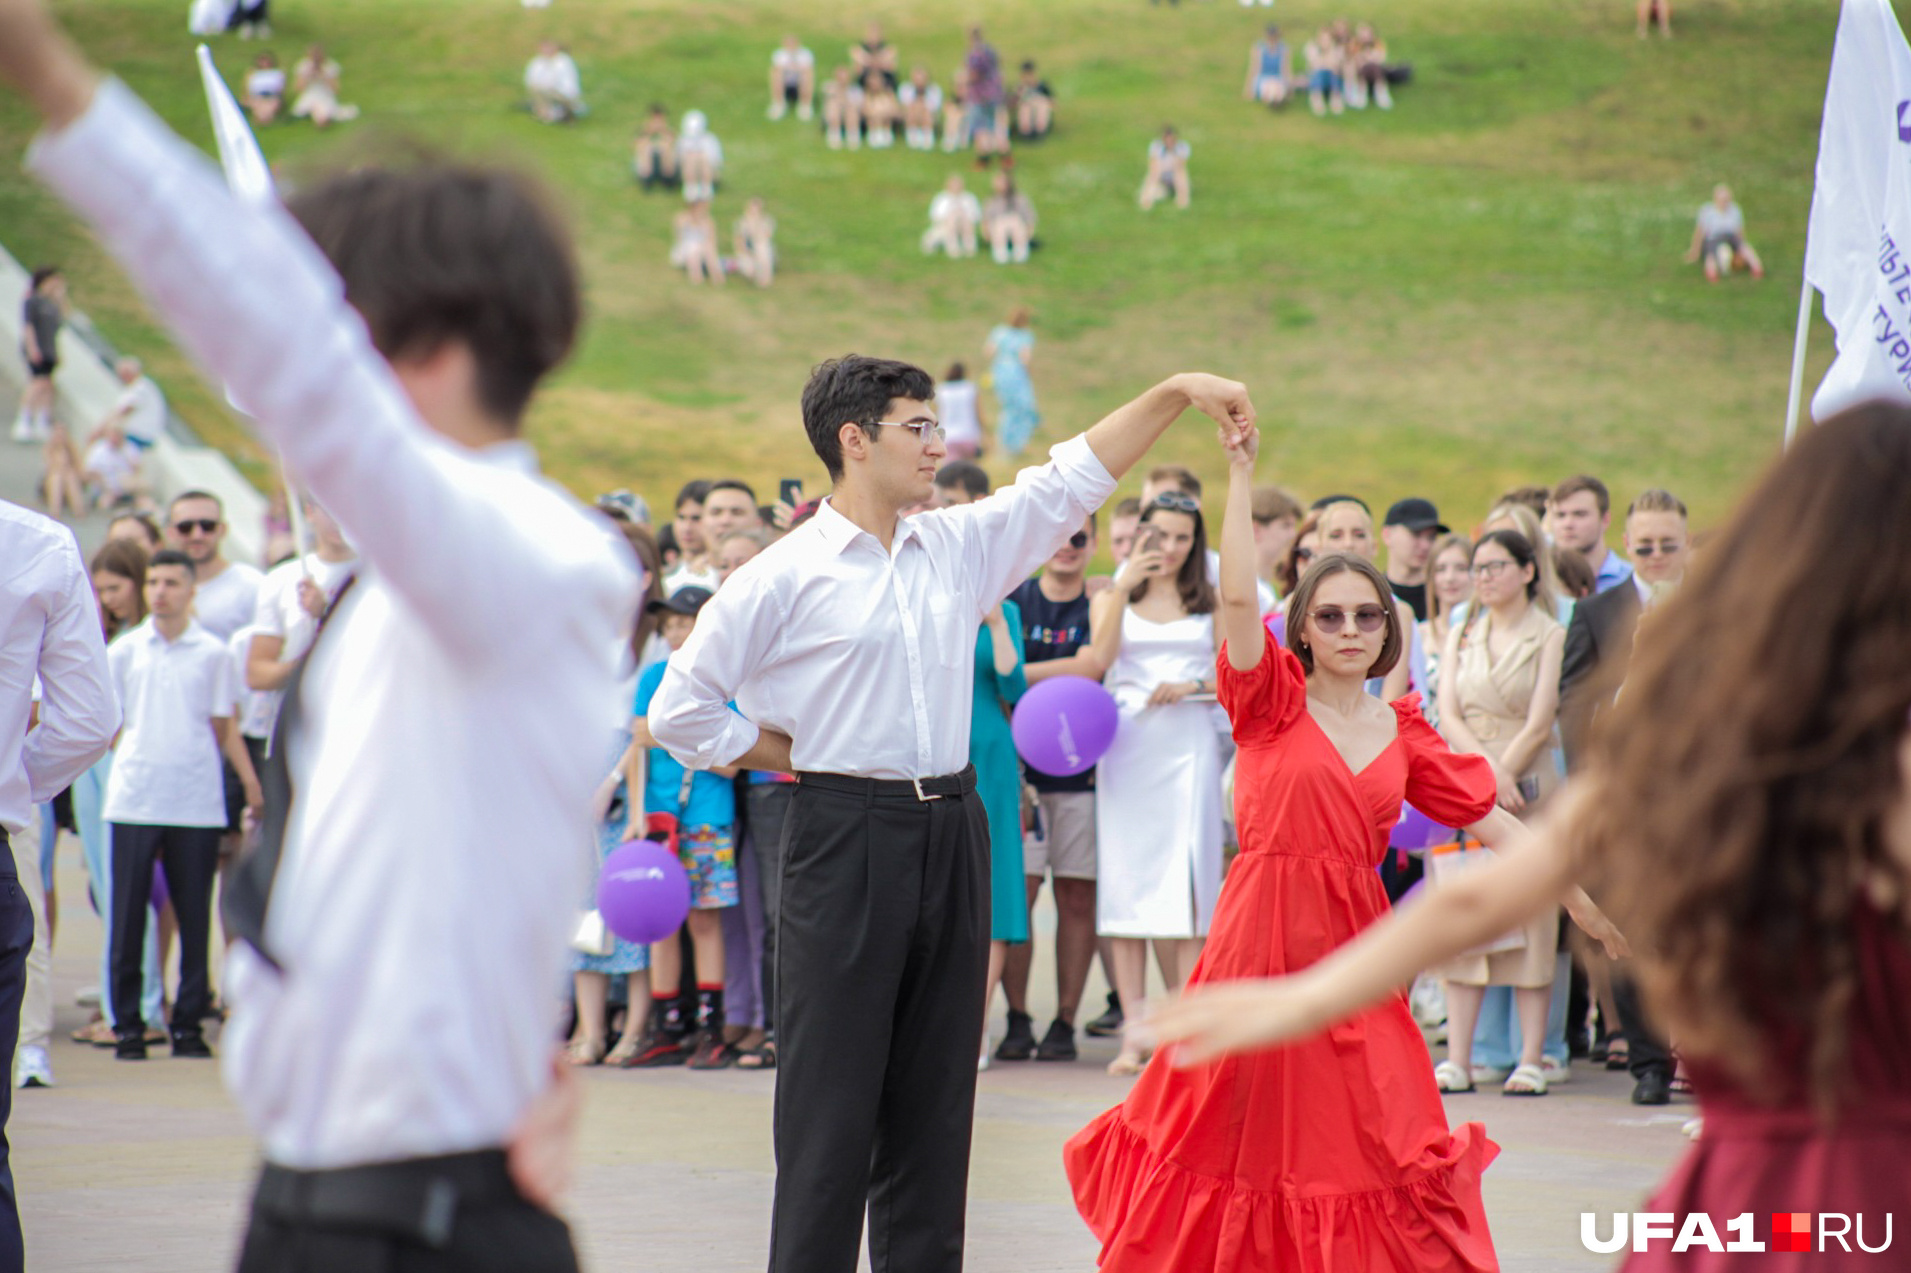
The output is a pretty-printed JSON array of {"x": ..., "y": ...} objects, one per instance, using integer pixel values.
[{"x": 1747, "y": 810}]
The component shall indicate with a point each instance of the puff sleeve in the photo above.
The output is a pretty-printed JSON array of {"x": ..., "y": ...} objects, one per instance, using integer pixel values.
[
  {"x": 1454, "y": 790},
  {"x": 1264, "y": 702}
]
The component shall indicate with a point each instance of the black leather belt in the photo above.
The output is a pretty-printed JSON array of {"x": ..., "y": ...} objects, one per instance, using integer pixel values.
[
  {"x": 416, "y": 1198},
  {"x": 919, "y": 789}
]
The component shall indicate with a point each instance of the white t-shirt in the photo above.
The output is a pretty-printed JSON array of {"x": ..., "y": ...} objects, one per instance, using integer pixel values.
[
  {"x": 279, "y": 614},
  {"x": 142, "y": 409},
  {"x": 266, "y": 81},
  {"x": 167, "y": 770},
  {"x": 955, "y": 402},
  {"x": 1717, "y": 223},
  {"x": 931, "y": 93},
  {"x": 792, "y": 61},
  {"x": 556, "y": 76},
  {"x": 947, "y": 205},
  {"x": 1163, "y": 154},
  {"x": 681, "y": 576},
  {"x": 226, "y": 603},
  {"x": 116, "y": 465}
]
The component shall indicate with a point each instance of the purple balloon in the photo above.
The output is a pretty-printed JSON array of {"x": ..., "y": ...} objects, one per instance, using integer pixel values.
[
  {"x": 1277, "y": 629},
  {"x": 1417, "y": 831},
  {"x": 1064, "y": 725},
  {"x": 160, "y": 894},
  {"x": 642, "y": 892}
]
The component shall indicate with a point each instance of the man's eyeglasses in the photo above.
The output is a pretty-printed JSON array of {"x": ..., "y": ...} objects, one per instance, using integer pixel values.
[
  {"x": 1329, "y": 619},
  {"x": 1177, "y": 502},
  {"x": 926, "y": 431},
  {"x": 1490, "y": 569},
  {"x": 1666, "y": 548},
  {"x": 1078, "y": 540},
  {"x": 204, "y": 525}
]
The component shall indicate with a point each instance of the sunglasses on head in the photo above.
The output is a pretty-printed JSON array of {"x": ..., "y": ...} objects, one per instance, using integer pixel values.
[
  {"x": 1177, "y": 502},
  {"x": 204, "y": 525},
  {"x": 1078, "y": 540},
  {"x": 1330, "y": 619}
]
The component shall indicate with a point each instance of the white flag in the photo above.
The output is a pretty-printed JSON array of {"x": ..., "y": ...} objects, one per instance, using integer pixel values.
[
  {"x": 246, "y": 173},
  {"x": 1858, "y": 249}
]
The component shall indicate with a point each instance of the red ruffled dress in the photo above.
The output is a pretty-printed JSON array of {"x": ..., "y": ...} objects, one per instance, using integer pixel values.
[
  {"x": 1332, "y": 1153},
  {"x": 1772, "y": 1159}
]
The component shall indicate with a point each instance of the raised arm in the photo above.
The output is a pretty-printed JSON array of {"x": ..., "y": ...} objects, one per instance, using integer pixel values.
[
  {"x": 1240, "y": 598},
  {"x": 251, "y": 298},
  {"x": 1124, "y": 436}
]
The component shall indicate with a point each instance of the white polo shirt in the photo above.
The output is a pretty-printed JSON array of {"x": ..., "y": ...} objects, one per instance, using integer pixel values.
[
  {"x": 224, "y": 604},
  {"x": 167, "y": 769}
]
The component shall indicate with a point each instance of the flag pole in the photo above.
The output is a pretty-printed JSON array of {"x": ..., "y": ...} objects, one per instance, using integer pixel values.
[{"x": 1798, "y": 361}]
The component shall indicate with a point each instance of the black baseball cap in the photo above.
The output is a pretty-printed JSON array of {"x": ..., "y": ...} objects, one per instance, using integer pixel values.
[
  {"x": 685, "y": 601},
  {"x": 1415, "y": 514}
]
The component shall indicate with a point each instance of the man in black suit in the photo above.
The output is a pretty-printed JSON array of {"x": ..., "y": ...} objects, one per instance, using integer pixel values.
[{"x": 1598, "y": 651}]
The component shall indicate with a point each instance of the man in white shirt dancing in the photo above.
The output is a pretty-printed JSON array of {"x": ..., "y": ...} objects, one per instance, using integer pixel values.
[
  {"x": 392, "y": 1007},
  {"x": 849, "y": 648}
]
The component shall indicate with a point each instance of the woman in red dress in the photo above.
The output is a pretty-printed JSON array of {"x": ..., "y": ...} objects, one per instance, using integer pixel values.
[
  {"x": 1333, "y": 1154},
  {"x": 1748, "y": 805}
]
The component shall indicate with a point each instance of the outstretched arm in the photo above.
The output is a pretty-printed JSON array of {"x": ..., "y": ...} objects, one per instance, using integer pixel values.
[
  {"x": 1240, "y": 598},
  {"x": 1124, "y": 436}
]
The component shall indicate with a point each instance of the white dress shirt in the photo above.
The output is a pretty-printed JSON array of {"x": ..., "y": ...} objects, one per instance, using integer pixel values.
[
  {"x": 866, "y": 658},
  {"x": 281, "y": 614},
  {"x": 451, "y": 717},
  {"x": 167, "y": 770},
  {"x": 227, "y": 602},
  {"x": 49, "y": 625},
  {"x": 554, "y": 76}
]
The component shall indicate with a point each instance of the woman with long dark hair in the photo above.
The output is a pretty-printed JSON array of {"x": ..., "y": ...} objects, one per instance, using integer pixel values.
[
  {"x": 1158, "y": 808},
  {"x": 1746, "y": 806},
  {"x": 1333, "y": 1154}
]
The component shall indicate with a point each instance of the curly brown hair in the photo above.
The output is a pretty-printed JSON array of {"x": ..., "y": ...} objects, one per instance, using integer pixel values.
[{"x": 1747, "y": 771}]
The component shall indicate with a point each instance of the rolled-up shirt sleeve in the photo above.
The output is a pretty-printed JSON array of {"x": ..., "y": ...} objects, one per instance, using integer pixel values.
[
  {"x": 1008, "y": 535},
  {"x": 690, "y": 716},
  {"x": 79, "y": 710}
]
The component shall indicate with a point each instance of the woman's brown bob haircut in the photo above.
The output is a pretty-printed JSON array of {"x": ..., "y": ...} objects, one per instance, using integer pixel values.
[
  {"x": 438, "y": 252},
  {"x": 1303, "y": 601}
]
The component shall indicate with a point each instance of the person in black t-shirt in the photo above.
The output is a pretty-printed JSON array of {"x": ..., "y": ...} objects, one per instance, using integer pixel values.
[
  {"x": 40, "y": 321},
  {"x": 1054, "y": 609},
  {"x": 1411, "y": 527}
]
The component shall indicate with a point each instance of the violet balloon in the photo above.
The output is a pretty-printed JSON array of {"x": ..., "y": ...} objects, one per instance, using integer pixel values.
[
  {"x": 1277, "y": 629},
  {"x": 160, "y": 894},
  {"x": 1064, "y": 725},
  {"x": 1417, "y": 831},
  {"x": 643, "y": 892}
]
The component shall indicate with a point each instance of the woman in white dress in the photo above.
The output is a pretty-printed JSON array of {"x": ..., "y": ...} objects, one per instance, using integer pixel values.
[{"x": 1158, "y": 808}]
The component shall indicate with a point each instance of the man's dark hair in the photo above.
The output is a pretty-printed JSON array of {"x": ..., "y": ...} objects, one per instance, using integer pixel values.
[
  {"x": 971, "y": 477},
  {"x": 183, "y": 496},
  {"x": 440, "y": 252},
  {"x": 1534, "y": 497},
  {"x": 693, "y": 492},
  {"x": 730, "y": 484},
  {"x": 173, "y": 557},
  {"x": 42, "y": 274},
  {"x": 1130, "y": 507},
  {"x": 856, "y": 389},
  {"x": 1179, "y": 476},
  {"x": 1584, "y": 482}
]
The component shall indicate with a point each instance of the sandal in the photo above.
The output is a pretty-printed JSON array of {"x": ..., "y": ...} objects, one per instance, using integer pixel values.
[
  {"x": 585, "y": 1051},
  {"x": 1618, "y": 1055},
  {"x": 1451, "y": 1079},
  {"x": 1130, "y": 1062},
  {"x": 99, "y": 1033},
  {"x": 1525, "y": 1080},
  {"x": 760, "y": 1057}
]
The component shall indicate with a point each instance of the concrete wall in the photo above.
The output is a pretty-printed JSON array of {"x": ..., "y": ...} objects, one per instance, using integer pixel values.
[{"x": 88, "y": 389}]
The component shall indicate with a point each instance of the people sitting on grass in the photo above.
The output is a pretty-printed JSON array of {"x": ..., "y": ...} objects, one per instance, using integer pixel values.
[
  {"x": 755, "y": 241},
  {"x": 653, "y": 159},
  {"x": 1718, "y": 238},
  {"x": 1366, "y": 61},
  {"x": 1008, "y": 219},
  {"x": 315, "y": 82},
  {"x": 1034, "y": 105},
  {"x": 699, "y": 157},
  {"x": 843, "y": 111},
  {"x": 921, "y": 100},
  {"x": 881, "y": 110},
  {"x": 875, "y": 54},
  {"x": 1270, "y": 70},
  {"x": 1325, "y": 67},
  {"x": 695, "y": 250},
  {"x": 954, "y": 217},
  {"x": 552, "y": 83},
  {"x": 792, "y": 79},
  {"x": 1167, "y": 171},
  {"x": 264, "y": 95}
]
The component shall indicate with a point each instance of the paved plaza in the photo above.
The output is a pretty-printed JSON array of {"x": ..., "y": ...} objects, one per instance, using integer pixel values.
[{"x": 146, "y": 1167}]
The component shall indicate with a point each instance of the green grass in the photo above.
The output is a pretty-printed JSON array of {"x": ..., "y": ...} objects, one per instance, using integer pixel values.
[{"x": 1479, "y": 289}]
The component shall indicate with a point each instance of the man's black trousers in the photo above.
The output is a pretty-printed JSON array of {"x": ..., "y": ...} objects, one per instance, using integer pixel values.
[{"x": 191, "y": 858}]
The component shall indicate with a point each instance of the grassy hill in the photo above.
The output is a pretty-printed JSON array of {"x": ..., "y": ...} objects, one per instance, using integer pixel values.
[{"x": 1480, "y": 288}]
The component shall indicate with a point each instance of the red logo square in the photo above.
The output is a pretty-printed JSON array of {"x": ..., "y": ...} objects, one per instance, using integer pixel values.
[{"x": 1791, "y": 1231}]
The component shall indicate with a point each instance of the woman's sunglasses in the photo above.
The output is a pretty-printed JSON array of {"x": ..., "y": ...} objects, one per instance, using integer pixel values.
[{"x": 1330, "y": 619}]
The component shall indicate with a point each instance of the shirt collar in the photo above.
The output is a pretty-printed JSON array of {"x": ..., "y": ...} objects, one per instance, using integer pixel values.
[
  {"x": 1643, "y": 588},
  {"x": 839, "y": 532},
  {"x": 515, "y": 454}
]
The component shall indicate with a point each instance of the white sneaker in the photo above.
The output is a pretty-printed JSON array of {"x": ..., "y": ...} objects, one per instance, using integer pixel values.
[
  {"x": 22, "y": 429},
  {"x": 982, "y": 1062},
  {"x": 803, "y": 113},
  {"x": 32, "y": 1068}
]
